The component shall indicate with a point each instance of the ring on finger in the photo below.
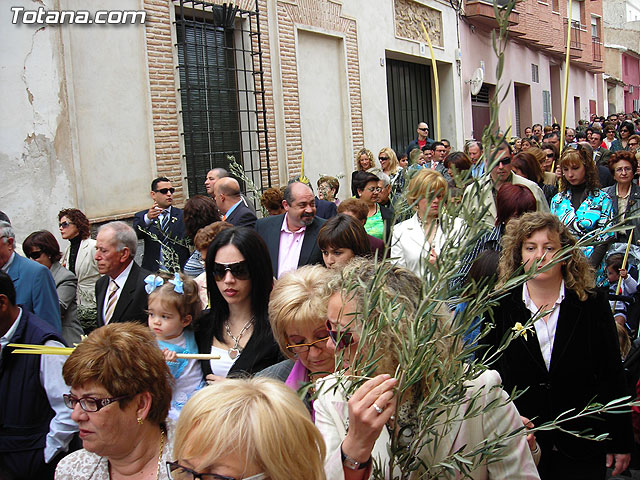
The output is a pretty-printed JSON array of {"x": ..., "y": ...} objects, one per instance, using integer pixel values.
[{"x": 377, "y": 408}]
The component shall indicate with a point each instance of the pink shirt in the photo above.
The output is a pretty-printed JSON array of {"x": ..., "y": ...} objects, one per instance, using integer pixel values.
[{"x": 290, "y": 247}]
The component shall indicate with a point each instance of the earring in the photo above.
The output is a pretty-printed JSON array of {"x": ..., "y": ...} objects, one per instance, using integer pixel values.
[{"x": 140, "y": 421}]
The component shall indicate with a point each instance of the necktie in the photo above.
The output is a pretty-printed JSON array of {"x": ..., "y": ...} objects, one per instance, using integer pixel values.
[
  {"x": 111, "y": 302},
  {"x": 165, "y": 220}
]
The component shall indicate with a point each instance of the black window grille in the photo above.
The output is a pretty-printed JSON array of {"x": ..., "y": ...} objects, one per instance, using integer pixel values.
[{"x": 222, "y": 91}]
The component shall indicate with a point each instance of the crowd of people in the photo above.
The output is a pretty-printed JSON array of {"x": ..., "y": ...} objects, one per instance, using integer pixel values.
[{"x": 225, "y": 351}]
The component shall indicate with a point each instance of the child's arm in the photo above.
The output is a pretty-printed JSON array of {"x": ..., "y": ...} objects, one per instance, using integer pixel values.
[
  {"x": 630, "y": 283},
  {"x": 169, "y": 355}
]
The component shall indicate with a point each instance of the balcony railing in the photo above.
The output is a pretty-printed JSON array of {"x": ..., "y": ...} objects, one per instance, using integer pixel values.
[
  {"x": 576, "y": 30},
  {"x": 596, "y": 46}
]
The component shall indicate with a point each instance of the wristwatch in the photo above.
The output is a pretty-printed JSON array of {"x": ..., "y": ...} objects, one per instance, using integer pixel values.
[{"x": 352, "y": 464}]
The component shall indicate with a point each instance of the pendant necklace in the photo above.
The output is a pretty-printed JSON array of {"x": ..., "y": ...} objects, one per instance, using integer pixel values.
[{"x": 237, "y": 349}]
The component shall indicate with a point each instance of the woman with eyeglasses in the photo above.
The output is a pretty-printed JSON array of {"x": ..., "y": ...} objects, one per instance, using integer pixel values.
[
  {"x": 297, "y": 312},
  {"x": 582, "y": 206},
  {"x": 357, "y": 426},
  {"x": 120, "y": 396},
  {"x": 625, "y": 131},
  {"x": 239, "y": 282},
  {"x": 379, "y": 218},
  {"x": 246, "y": 429},
  {"x": 79, "y": 258},
  {"x": 43, "y": 248},
  {"x": 625, "y": 195}
]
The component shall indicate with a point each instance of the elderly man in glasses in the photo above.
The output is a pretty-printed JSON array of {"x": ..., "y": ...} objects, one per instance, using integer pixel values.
[
  {"x": 499, "y": 175},
  {"x": 36, "y": 426},
  {"x": 162, "y": 229}
]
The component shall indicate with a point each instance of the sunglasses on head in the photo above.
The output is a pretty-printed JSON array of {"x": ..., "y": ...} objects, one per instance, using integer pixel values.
[
  {"x": 340, "y": 339},
  {"x": 164, "y": 191},
  {"x": 239, "y": 270},
  {"x": 34, "y": 255}
]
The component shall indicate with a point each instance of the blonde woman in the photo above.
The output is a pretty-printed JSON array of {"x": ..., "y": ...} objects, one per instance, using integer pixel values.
[
  {"x": 364, "y": 161},
  {"x": 252, "y": 429},
  {"x": 355, "y": 429},
  {"x": 419, "y": 240},
  {"x": 390, "y": 165}
]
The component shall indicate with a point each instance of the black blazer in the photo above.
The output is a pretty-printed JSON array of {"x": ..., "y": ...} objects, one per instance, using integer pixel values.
[
  {"x": 132, "y": 303},
  {"x": 261, "y": 350},
  {"x": 325, "y": 209},
  {"x": 269, "y": 229},
  {"x": 585, "y": 367},
  {"x": 175, "y": 230},
  {"x": 242, "y": 216}
]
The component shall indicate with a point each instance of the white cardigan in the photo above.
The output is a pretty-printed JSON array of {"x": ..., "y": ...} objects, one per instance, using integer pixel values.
[
  {"x": 332, "y": 412},
  {"x": 86, "y": 271}
]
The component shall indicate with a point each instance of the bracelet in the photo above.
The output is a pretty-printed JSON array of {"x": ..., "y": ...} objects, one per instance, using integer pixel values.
[{"x": 352, "y": 464}]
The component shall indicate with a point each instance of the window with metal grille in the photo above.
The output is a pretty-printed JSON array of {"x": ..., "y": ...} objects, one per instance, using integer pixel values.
[
  {"x": 535, "y": 76},
  {"x": 546, "y": 107},
  {"x": 221, "y": 89},
  {"x": 483, "y": 95}
]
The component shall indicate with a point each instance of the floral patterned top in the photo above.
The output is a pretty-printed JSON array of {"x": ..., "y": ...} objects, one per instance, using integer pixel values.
[
  {"x": 595, "y": 212},
  {"x": 84, "y": 465}
]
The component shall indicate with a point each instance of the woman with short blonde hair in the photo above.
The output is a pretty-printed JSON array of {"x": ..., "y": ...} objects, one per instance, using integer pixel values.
[
  {"x": 390, "y": 165},
  {"x": 250, "y": 428}
]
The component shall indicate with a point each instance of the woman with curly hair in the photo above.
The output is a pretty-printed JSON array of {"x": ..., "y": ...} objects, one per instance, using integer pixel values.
[
  {"x": 79, "y": 259},
  {"x": 199, "y": 211},
  {"x": 582, "y": 206},
  {"x": 355, "y": 427},
  {"x": 364, "y": 161},
  {"x": 568, "y": 357}
]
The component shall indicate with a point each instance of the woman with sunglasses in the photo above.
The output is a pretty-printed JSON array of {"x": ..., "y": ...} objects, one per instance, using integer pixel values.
[
  {"x": 43, "y": 248},
  {"x": 239, "y": 282},
  {"x": 356, "y": 428},
  {"x": 297, "y": 312},
  {"x": 246, "y": 429},
  {"x": 79, "y": 258},
  {"x": 390, "y": 165},
  {"x": 367, "y": 187},
  {"x": 120, "y": 396},
  {"x": 622, "y": 143}
]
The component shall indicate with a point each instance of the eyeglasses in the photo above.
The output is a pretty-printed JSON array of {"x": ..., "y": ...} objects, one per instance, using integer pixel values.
[
  {"x": 64, "y": 224},
  {"x": 34, "y": 255},
  {"x": 89, "y": 404},
  {"x": 623, "y": 169},
  {"x": 550, "y": 155},
  {"x": 239, "y": 270},
  {"x": 178, "y": 472},
  {"x": 423, "y": 129},
  {"x": 504, "y": 160},
  {"x": 304, "y": 347},
  {"x": 164, "y": 191},
  {"x": 383, "y": 159},
  {"x": 374, "y": 189},
  {"x": 340, "y": 339},
  {"x": 633, "y": 144}
]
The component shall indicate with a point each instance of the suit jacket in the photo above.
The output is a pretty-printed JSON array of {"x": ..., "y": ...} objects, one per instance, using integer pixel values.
[
  {"x": 464, "y": 435},
  {"x": 132, "y": 303},
  {"x": 585, "y": 367},
  {"x": 35, "y": 290},
  {"x": 175, "y": 230},
  {"x": 242, "y": 216},
  {"x": 633, "y": 208},
  {"x": 66, "y": 286},
  {"x": 260, "y": 352},
  {"x": 601, "y": 156},
  {"x": 86, "y": 271},
  {"x": 325, "y": 209},
  {"x": 269, "y": 229}
]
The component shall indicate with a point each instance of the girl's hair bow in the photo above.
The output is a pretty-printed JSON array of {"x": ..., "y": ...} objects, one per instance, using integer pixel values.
[
  {"x": 177, "y": 283},
  {"x": 152, "y": 282}
]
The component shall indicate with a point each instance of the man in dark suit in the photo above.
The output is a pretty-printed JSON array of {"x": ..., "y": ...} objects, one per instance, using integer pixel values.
[
  {"x": 166, "y": 223},
  {"x": 36, "y": 290},
  {"x": 120, "y": 292},
  {"x": 229, "y": 201},
  {"x": 291, "y": 237}
]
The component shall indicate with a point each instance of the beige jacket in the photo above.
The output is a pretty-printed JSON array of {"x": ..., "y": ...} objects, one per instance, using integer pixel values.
[{"x": 86, "y": 271}]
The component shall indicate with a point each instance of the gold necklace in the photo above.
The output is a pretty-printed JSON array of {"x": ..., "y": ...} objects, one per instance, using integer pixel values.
[{"x": 160, "y": 456}]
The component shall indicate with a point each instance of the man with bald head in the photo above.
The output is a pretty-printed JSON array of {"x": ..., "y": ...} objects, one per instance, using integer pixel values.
[
  {"x": 226, "y": 193},
  {"x": 423, "y": 138}
]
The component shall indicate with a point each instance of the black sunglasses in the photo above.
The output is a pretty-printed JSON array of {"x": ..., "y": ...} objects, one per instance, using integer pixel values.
[
  {"x": 240, "y": 270},
  {"x": 164, "y": 191},
  {"x": 34, "y": 255},
  {"x": 340, "y": 339},
  {"x": 64, "y": 224}
]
